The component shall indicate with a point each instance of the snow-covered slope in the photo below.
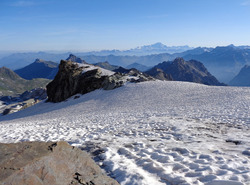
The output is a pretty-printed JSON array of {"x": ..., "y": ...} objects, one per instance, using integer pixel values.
[{"x": 157, "y": 132}]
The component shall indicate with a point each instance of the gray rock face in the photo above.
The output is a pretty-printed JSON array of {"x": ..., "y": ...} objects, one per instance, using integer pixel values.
[
  {"x": 73, "y": 78},
  {"x": 40, "y": 163},
  {"x": 70, "y": 80}
]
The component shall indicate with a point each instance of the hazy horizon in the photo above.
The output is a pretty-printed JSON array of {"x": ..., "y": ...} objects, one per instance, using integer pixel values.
[{"x": 63, "y": 25}]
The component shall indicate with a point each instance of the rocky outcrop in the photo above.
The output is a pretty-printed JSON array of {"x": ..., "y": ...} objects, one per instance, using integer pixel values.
[
  {"x": 73, "y": 78},
  {"x": 40, "y": 163}
]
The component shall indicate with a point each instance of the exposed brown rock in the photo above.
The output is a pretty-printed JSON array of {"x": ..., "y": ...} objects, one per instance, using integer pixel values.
[{"x": 40, "y": 163}]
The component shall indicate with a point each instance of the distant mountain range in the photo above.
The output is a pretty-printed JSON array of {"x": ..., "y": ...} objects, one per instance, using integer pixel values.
[
  {"x": 18, "y": 60},
  {"x": 243, "y": 78},
  {"x": 12, "y": 84},
  {"x": 156, "y": 48},
  {"x": 222, "y": 62}
]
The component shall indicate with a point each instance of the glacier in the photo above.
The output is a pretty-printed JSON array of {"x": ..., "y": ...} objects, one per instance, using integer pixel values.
[{"x": 157, "y": 132}]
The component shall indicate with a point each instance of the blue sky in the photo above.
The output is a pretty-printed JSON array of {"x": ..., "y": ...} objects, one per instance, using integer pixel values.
[{"x": 32, "y": 25}]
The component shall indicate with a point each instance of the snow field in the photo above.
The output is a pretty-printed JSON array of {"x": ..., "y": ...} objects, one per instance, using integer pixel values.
[{"x": 151, "y": 132}]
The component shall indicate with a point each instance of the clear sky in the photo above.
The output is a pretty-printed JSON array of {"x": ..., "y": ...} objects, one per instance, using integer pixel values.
[{"x": 121, "y": 24}]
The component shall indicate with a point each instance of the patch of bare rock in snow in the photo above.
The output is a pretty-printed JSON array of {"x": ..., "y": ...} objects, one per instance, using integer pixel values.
[{"x": 156, "y": 132}]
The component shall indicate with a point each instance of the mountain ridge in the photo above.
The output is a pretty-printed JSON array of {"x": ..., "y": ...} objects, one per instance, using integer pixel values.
[
  {"x": 38, "y": 69},
  {"x": 181, "y": 70},
  {"x": 12, "y": 84}
]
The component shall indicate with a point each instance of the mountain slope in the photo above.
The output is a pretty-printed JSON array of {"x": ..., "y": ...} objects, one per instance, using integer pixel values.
[
  {"x": 12, "y": 84},
  {"x": 155, "y": 48},
  {"x": 39, "y": 69},
  {"x": 124, "y": 61},
  {"x": 243, "y": 78},
  {"x": 191, "y": 71}
]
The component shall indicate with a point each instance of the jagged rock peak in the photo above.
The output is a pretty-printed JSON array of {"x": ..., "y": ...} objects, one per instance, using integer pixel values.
[{"x": 74, "y": 58}]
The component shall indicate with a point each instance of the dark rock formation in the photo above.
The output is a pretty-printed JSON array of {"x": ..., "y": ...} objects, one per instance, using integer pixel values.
[
  {"x": 65, "y": 83},
  {"x": 39, "y": 69},
  {"x": 73, "y": 78},
  {"x": 190, "y": 71},
  {"x": 48, "y": 163},
  {"x": 243, "y": 78}
]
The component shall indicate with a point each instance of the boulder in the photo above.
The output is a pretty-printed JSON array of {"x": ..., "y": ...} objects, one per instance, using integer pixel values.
[{"x": 46, "y": 163}]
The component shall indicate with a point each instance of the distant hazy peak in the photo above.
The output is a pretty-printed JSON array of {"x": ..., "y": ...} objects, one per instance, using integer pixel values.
[
  {"x": 179, "y": 60},
  {"x": 39, "y": 60},
  {"x": 157, "y": 45},
  {"x": 74, "y": 58}
]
